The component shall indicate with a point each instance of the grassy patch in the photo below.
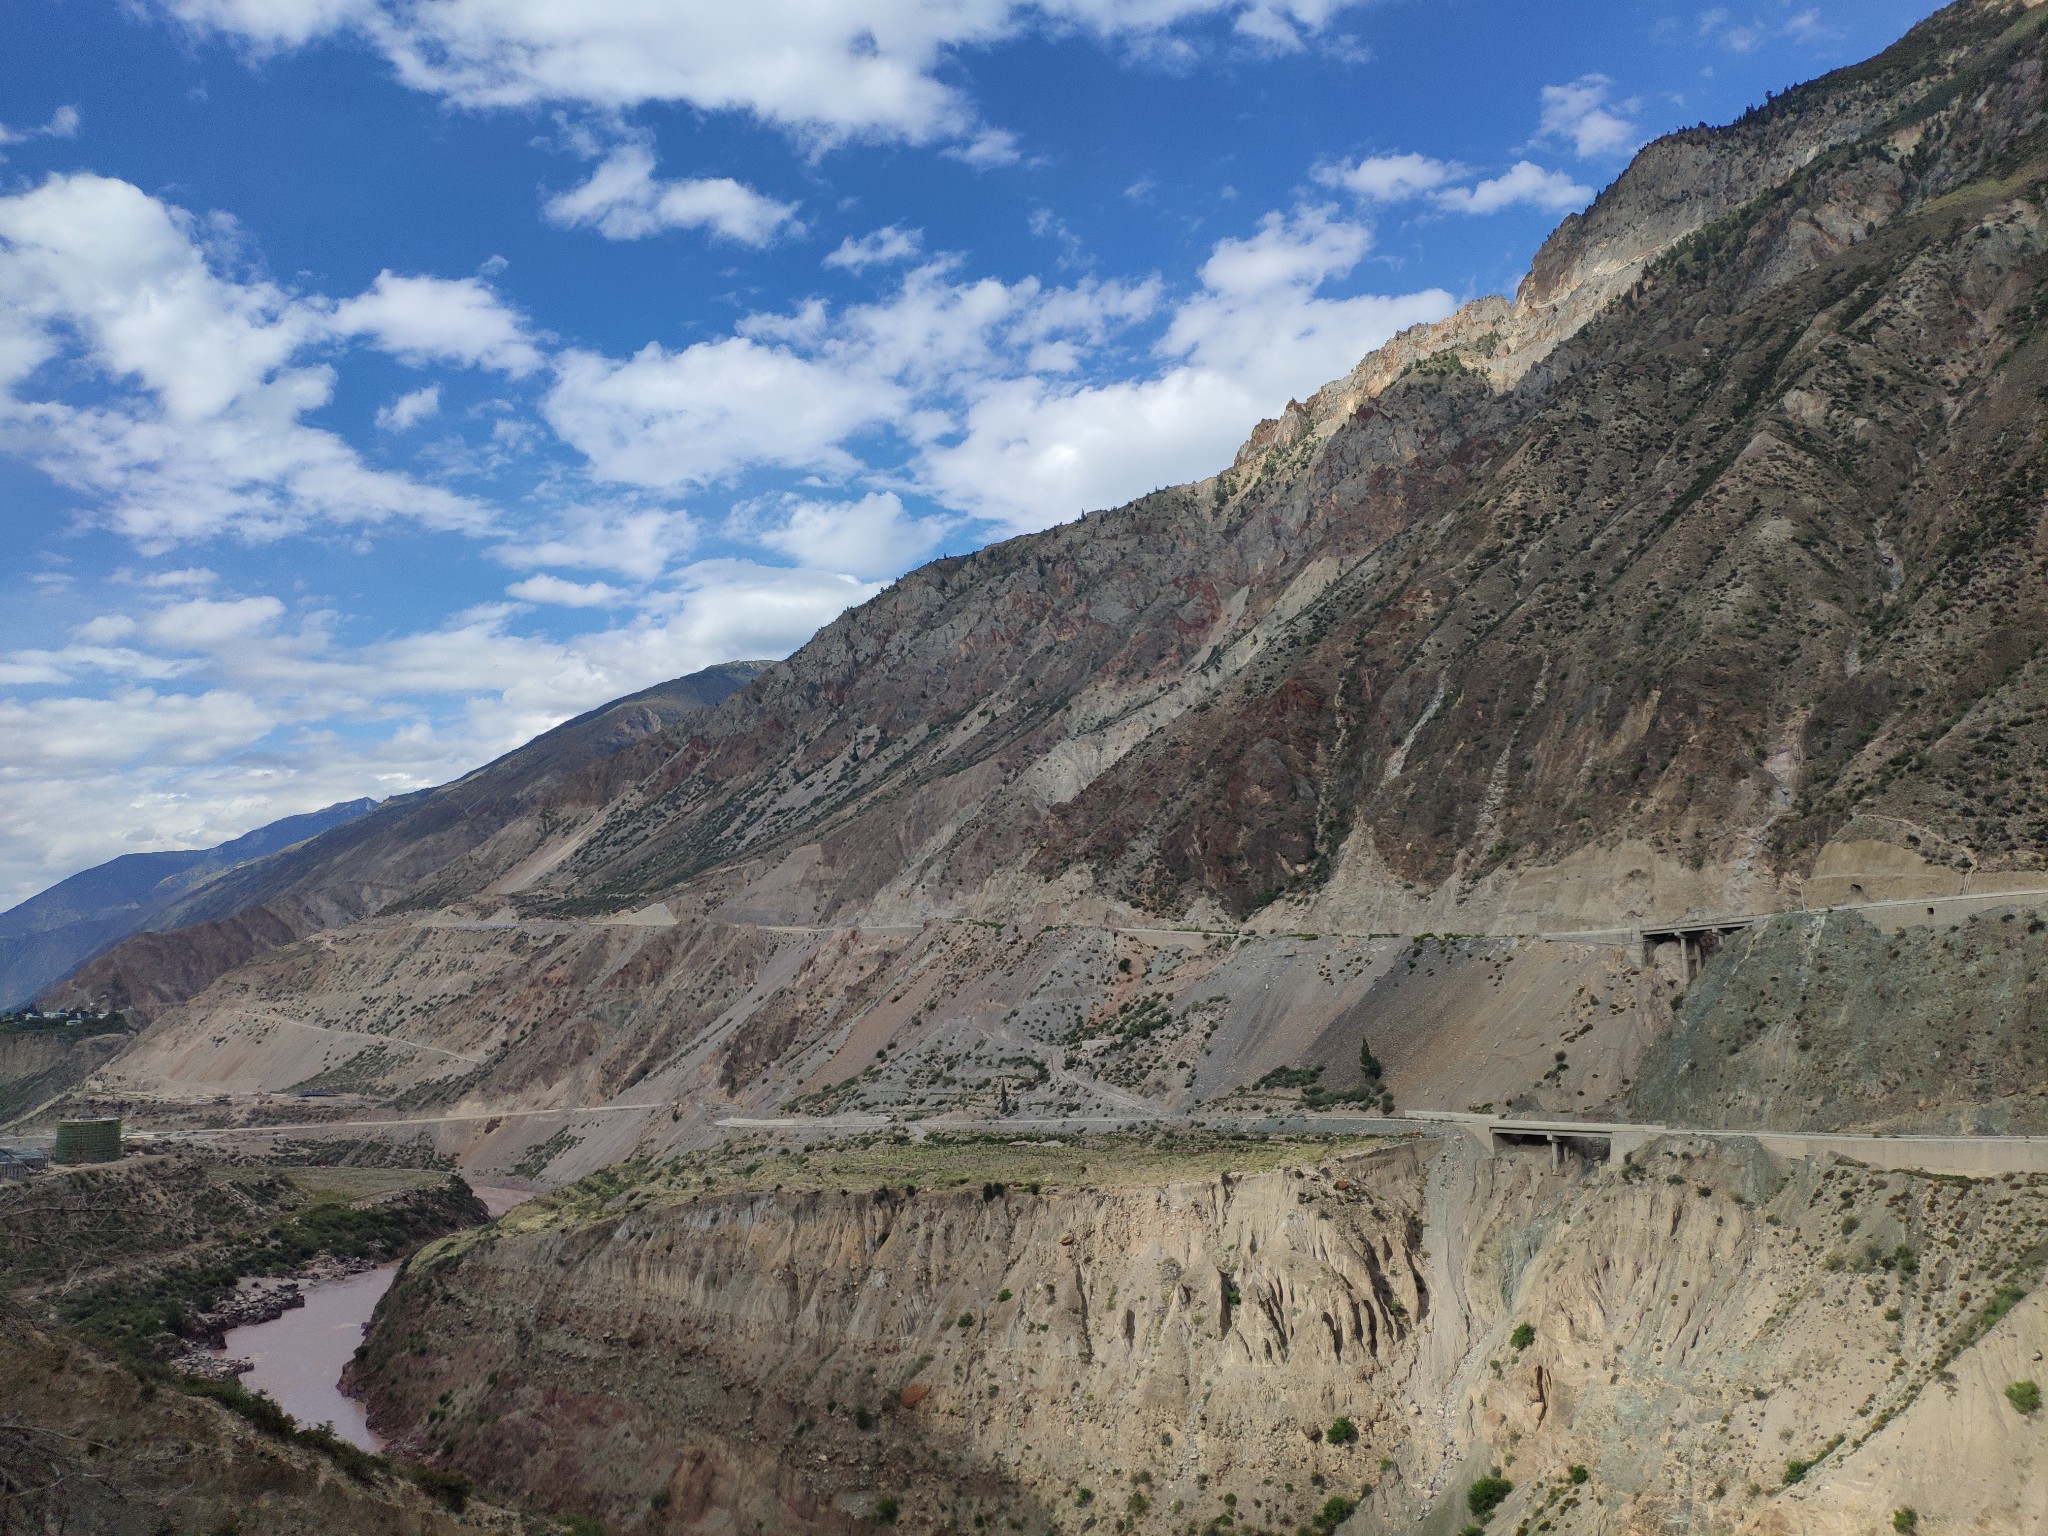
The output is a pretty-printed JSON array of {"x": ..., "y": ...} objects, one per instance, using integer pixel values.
[{"x": 1009, "y": 1165}]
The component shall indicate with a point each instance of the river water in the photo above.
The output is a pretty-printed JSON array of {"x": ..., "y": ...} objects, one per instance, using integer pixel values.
[{"x": 297, "y": 1358}]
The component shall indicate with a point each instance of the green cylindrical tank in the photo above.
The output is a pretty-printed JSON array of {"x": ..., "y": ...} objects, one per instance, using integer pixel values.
[{"x": 88, "y": 1141}]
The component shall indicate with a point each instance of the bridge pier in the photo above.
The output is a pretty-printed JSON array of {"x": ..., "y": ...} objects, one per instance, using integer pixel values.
[{"x": 1697, "y": 943}]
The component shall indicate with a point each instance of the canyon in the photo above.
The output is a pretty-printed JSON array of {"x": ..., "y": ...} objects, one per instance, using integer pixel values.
[{"x": 983, "y": 1066}]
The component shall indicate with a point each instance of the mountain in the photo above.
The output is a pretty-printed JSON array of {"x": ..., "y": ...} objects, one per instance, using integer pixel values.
[
  {"x": 1706, "y": 576},
  {"x": 483, "y": 828},
  {"x": 51, "y": 934}
]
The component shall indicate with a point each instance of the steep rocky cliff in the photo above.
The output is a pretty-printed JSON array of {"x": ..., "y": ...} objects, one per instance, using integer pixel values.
[{"x": 1155, "y": 1356}]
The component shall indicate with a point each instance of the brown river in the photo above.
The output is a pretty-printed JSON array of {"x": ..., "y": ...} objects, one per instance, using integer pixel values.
[{"x": 297, "y": 1358}]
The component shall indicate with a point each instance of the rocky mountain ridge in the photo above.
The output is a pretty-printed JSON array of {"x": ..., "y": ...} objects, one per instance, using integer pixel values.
[
  {"x": 47, "y": 937},
  {"x": 1708, "y": 577}
]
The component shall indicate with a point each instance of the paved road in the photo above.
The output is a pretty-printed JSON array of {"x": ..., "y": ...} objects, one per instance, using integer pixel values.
[{"x": 1972, "y": 1155}]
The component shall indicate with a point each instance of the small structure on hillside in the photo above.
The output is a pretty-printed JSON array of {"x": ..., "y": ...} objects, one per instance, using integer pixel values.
[
  {"x": 20, "y": 1163},
  {"x": 88, "y": 1141}
]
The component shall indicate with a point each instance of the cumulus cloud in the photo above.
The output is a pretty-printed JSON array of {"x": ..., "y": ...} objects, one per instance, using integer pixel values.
[
  {"x": 198, "y": 429},
  {"x": 639, "y": 542},
  {"x": 869, "y": 538},
  {"x": 989, "y": 148},
  {"x": 1584, "y": 115},
  {"x": 866, "y": 69},
  {"x": 568, "y": 594},
  {"x": 208, "y": 623},
  {"x": 1400, "y": 178},
  {"x": 410, "y": 409},
  {"x": 1388, "y": 178},
  {"x": 882, "y": 247},
  {"x": 1522, "y": 184},
  {"x": 623, "y": 200},
  {"x": 1033, "y": 450},
  {"x": 271, "y": 718},
  {"x": 63, "y": 124},
  {"x": 423, "y": 320},
  {"x": 665, "y": 419}
]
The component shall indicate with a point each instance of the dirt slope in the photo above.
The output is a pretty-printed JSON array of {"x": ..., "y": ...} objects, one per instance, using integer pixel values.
[{"x": 689, "y": 1358}]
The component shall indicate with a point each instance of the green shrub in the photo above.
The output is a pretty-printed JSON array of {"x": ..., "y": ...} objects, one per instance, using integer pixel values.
[
  {"x": 444, "y": 1486},
  {"x": 1523, "y": 1336},
  {"x": 1342, "y": 1432},
  {"x": 1906, "y": 1518},
  {"x": 966, "y": 1319},
  {"x": 1578, "y": 1473},
  {"x": 1335, "y": 1511},
  {"x": 887, "y": 1509},
  {"x": 1485, "y": 1496},
  {"x": 1003, "y": 1294},
  {"x": 2003, "y": 1300},
  {"x": 1796, "y": 1469},
  {"x": 2024, "y": 1395}
]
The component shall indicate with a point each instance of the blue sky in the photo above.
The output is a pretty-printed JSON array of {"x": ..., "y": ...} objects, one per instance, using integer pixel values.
[{"x": 382, "y": 381}]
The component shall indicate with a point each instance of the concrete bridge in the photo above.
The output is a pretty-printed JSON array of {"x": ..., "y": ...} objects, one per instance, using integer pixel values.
[{"x": 1697, "y": 942}]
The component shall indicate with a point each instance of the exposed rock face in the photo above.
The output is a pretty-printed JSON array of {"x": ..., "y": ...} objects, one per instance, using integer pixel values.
[
  {"x": 751, "y": 1360},
  {"x": 1818, "y": 1022}
]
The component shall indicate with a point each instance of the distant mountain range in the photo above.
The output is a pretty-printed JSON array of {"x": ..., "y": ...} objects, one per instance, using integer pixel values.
[{"x": 50, "y": 935}]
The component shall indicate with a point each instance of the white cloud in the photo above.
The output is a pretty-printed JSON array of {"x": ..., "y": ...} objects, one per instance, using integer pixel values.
[
  {"x": 131, "y": 725},
  {"x": 988, "y": 148},
  {"x": 423, "y": 320},
  {"x": 622, "y": 200},
  {"x": 640, "y": 543},
  {"x": 872, "y": 537},
  {"x": 568, "y": 594},
  {"x": 1584, "y": 115},
  {"x": 410, "y": 409},
  {"x": 198, "y": 429},
  {"x": 1288, "y": 251},
  {"x": 208, "y": 623},
  {"x": 106, "y": 627},
  {"x": 271, "y": 721},
  {"x": 664, "y": 419},
  {"x": 63, "y": 124},
  {"x": 988, "y": 386},
  {"x": 1521, "y": 183},
  {"x": 1397, "y": 178},
  {"x": 1388, "y": 178},
  {"x": 881, "y": 247},
  {"x": 859, "y": 69},
  {"x": 1032, "y": 451},
  {"x": 185, "y": 577}
]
